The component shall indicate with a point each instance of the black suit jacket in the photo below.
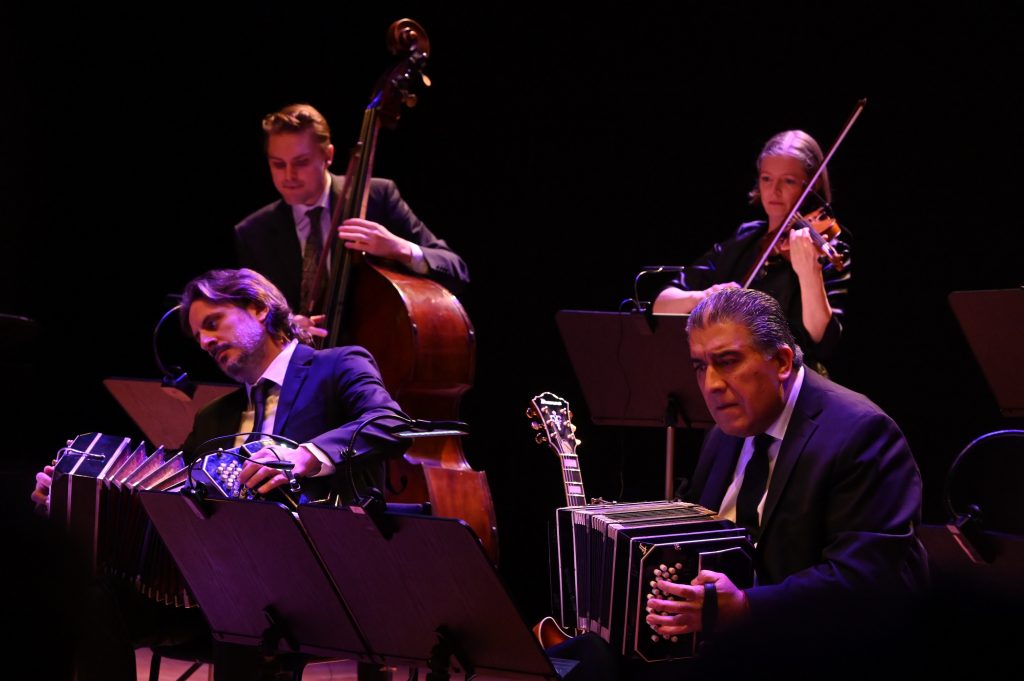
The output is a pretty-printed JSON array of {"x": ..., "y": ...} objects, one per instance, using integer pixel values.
[
  {"x": 838, "y": 528},
  {"x": 325, "y": 396},
  {"x": 266, "y": 240}
]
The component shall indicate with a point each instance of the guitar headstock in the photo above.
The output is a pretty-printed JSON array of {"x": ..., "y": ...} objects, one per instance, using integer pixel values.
[{"x": 551, "y": 418}]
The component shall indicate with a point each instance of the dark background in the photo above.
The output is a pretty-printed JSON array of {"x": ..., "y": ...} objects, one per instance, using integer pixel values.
[{"x": 558, "y": 152}]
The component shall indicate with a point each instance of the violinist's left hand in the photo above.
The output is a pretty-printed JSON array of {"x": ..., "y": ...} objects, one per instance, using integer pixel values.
[
  {"x": 375, "y": 239},
  {"x": 804, "y": 254}
]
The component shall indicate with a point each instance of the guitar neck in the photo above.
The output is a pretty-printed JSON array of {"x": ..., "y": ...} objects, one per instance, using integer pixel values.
[
  {"x": 555, "y": 420},
  {"x": 573, "y": 480}
]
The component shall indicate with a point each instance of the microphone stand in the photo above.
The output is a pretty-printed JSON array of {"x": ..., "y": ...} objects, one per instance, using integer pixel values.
[{"x": 175, "y": 380}]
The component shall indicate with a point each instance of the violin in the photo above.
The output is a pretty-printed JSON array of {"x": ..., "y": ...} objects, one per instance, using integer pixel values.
[
  {"x": 820, "y": 221},
  {"x": 823, "y": 228}
]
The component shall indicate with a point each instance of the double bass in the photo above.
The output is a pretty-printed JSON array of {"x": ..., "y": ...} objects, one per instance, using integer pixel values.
[{"x": 418, "y": 332}]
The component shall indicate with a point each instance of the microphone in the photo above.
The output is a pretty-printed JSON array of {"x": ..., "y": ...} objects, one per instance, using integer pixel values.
[{"x": 175, "y": 382}]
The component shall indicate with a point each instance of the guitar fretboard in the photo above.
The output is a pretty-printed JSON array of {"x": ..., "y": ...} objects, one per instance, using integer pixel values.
[{"x": 573, "y": 480}]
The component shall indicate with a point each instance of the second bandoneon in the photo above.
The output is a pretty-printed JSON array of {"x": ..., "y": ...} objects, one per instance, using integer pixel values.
[{"x": 609, "y": 556}]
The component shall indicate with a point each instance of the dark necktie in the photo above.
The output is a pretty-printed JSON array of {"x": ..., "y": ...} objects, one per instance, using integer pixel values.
[
  {"x": 259, "y": 406},
  {"x": 310, "y": 262},
  {"x": 755, "y": 478}
]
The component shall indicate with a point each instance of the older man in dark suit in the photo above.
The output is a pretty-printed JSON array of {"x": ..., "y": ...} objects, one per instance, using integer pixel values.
[{"x": 823, "y": 479}]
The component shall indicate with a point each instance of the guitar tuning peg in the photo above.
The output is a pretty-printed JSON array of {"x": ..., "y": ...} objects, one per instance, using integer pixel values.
[
  {"x": 531, "y": 413},
  {"x": 570, "y": 414},
  {"x": 540, "y": 438},
  {"x": 535, "y": 425}
]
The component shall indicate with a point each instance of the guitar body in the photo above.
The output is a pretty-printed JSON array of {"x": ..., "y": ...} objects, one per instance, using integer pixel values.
[
  {"x": 550, "y": 633},
  {"x": 554, "y": 425}
]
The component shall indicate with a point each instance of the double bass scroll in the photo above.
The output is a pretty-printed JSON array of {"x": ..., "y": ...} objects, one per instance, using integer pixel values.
[{"x": 418, "y": 332}]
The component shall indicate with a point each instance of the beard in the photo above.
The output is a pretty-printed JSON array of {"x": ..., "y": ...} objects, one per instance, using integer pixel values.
[{"x": 250, "y": 352}]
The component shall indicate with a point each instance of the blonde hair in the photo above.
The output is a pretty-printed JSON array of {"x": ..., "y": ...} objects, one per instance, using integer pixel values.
[{"x": 801, "y": 146}]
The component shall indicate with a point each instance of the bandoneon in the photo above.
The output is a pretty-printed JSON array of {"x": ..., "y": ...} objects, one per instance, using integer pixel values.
[
  {"x": 610, "y": 555},
  {"x": 94, "y": 496}
]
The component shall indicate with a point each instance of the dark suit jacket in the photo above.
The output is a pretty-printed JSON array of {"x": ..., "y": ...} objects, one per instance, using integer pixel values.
[
  {"x": 266, "y": 240},
  {"x": 326, "y": 394},
  {"x": 839, "y": 518}
]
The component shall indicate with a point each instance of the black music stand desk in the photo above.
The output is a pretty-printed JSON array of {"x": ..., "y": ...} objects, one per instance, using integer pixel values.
[
  {"x": 392, "y": 589},
  {"x": 993, "y": 322},
  {"x": 635, "y": 370}
]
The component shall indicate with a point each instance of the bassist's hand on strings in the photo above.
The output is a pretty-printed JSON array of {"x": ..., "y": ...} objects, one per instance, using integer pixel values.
[
  {"x": 312, "y": 325},
  {"x": 376, "y": 239}
]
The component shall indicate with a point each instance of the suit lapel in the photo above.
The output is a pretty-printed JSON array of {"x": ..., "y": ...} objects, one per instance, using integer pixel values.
[
  {"x": 802, "y": 425},
  {"x": 298, "y": 370}
]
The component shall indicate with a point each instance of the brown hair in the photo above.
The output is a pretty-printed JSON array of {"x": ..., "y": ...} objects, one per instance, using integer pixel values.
[
  {"x": 297, "y": 118},
  {"x": 243, "y": 288}
]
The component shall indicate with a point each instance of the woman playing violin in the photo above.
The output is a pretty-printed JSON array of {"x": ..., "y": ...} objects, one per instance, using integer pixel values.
[{"x": 808, "y": 290}]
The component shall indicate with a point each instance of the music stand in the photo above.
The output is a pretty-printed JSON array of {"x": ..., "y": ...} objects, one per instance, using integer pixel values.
[
  {"x": 432, "y": 575},
  {"x": 993, "y": 322},
  {"x": 388, "y": 589},
  {"x": 635, "y": 370},
  {"x": 254, "y": 575},
  {"x": 164, "y": 419}
]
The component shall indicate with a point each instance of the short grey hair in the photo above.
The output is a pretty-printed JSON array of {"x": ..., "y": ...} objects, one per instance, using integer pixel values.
[{"x": 756, "y": 311}]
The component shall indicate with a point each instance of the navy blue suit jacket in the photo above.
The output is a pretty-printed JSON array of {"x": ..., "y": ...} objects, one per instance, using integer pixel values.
[
  {"x": 326, "y": 394},
  {"x": 266, "y": 240},
  {"x": 839, "y": 520}
]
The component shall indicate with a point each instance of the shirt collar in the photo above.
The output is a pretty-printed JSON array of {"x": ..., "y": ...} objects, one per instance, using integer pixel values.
[
  {"x": 778, "y": 427},
  {"x": 278, "y": 367},
  {"x": 299, "y": 212}
]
